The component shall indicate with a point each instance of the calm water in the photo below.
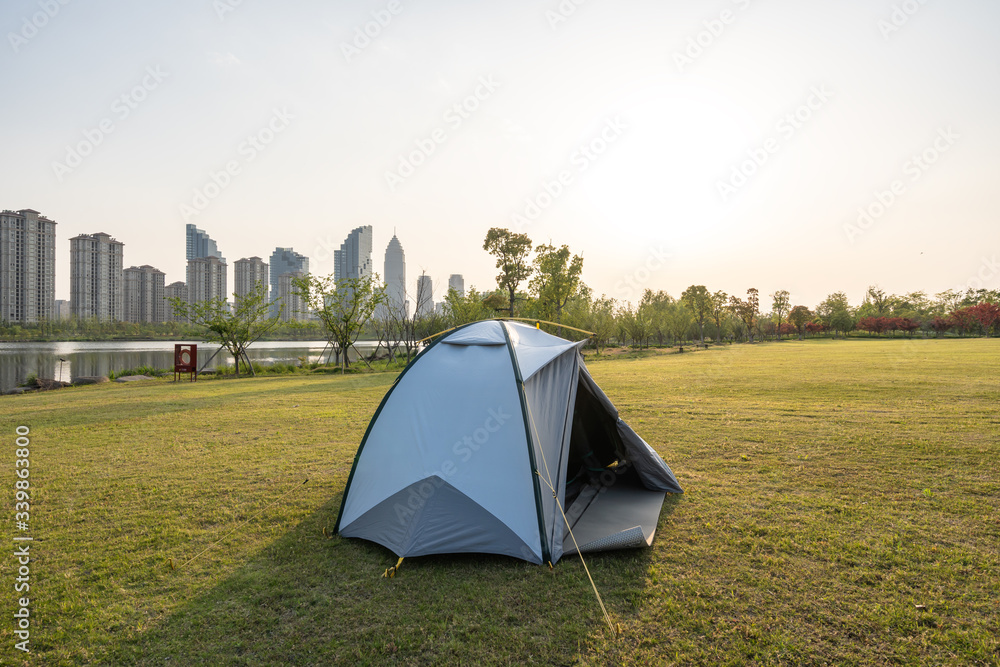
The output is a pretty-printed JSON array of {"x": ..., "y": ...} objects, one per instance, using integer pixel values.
[{"x": 18, "y": 360}]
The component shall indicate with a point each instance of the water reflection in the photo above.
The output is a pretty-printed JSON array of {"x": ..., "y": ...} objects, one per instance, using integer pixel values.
[{"x": 19, "y": 360}]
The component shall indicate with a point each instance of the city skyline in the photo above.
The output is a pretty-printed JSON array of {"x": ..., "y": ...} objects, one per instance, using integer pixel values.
[{"x": 810, "y": 148}]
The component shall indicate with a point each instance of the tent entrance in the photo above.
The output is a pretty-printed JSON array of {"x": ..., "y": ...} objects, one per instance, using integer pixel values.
[{"x": 607, "y": 505}]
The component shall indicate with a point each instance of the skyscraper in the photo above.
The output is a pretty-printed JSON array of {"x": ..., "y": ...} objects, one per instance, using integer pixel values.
[
  {"x": 425, "y": 295},
  {"x": 143, "y": 294},
  {"x": 395, "y": 277},
  {"x": 173, "y": 290},
  {"x": 284, "y": 260},
  {"x": 354, "y": 259},
  {"x": 457, "y": 283},
  {"x": 293, "y": 306},
  {"x": 247, "y": 273},
  {"x": 206, "y": 279},
  {"x": 200, "y": 244},
  {"x": 96, "y": 277},
  {"x": 27, "y": 266}
]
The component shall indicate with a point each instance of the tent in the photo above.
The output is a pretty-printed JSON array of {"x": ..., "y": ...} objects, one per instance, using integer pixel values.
[{"x": 481, "y": 434}]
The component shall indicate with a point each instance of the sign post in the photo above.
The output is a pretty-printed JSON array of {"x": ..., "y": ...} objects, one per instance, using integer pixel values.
[{"x": 185, "y": 361}]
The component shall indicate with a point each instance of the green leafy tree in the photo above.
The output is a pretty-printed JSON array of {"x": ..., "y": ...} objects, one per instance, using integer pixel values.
[
  {"x": 881, "y": 303},
  {"x": 699, "y": 301},
  {"x": 780, "y": 304},
  {"x": 343, "y": 307},
  {"x": 557, "y": 277},
  {"x": 720, "y": 302},
  {"x": 464, "y": 309},
  {"x": 237, "y": 329},
  {"x": 798, "y": 316},
  {"x": 747, "y": 311},
  {"x": 511, "y": 251},
  {"x": 602, "y": 321}
]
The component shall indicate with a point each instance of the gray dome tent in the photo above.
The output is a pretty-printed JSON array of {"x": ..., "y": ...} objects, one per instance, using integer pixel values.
[{"x": 479, "y": 434}]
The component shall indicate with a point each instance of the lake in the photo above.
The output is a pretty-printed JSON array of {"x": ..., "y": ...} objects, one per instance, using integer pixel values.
[{"x": 18, "y": 360}]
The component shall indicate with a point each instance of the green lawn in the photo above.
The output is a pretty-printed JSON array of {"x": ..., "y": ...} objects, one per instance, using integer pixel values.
[{"x": 842, "y": 507}]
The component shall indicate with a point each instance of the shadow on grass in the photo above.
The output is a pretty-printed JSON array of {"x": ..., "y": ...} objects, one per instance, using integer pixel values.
[{"x": 309, "y": 599}]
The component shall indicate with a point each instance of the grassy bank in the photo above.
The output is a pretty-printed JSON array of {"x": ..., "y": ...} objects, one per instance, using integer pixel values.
[{"x": 842, "y": 507}]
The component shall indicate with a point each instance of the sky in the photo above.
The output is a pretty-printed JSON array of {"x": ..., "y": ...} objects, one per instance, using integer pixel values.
[{"x": 812, "y": 147}]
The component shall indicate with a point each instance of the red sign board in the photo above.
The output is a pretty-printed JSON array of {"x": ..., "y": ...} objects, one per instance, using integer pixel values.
[{"x": 186, "y": 360}]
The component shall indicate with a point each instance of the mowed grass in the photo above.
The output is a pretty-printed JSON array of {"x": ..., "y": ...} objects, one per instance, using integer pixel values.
[{"x": 842, "y": 506}]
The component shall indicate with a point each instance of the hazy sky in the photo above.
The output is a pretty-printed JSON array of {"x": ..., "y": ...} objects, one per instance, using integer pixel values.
[{"x": 727, "y": 143}]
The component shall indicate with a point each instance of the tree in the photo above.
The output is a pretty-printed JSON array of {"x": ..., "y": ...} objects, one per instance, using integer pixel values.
[
  {"x": 464, "y": 309},
  {"x": 698, "y": 299},
  {"x": 719, "y": 302},
  {"x": 988, "y": 316},
  {"x": 747, "y": 311},
  {"x": 511, "y": 251},
  {"x": 881, "y": 302},
  {"x": 964, "y": 320},
  {"x": 557, "y": 277},
  {"x": 780, "y": 303},
  {"x": 237, "y": 329},
  {"x": 602, "y": 321},
  {"x": 343, "y": 306},
  {"x": 798, "y": 316},
  {"x": 941, "y": 324}
]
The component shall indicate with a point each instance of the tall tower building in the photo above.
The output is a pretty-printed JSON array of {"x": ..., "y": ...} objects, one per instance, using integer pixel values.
[
  {"x": 177, "y": 290},
  {"x": 284, "y": 260},
  {"x": 27, "y": 267},
  {"x": 206, "y": 279},
  {"x": 354, "y": 259},
  {"x": 143, "y": 294},
  {"x": 425, "y": 295},
  {"x": 457, "y": 283},
  {"x": 247, "y": 273},
  {"x": 293, "y": 306},
  {"x": 200, "y": 244},
  {"x": 95, "y": 277},
  {"x": 395, "y": 277}
]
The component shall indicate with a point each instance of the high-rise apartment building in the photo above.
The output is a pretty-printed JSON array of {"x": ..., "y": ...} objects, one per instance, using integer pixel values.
[
  {"x": 206, "y": 279},
  {"x": 457, "y": 283},
  {"x": 293, "y": 306},
  {"x": 395, "y": 277},
  {"x": 354, "y": 259},
  {"x": 143, "y": 294},
  {"x": 284, "y": 260},
  {"x": 95, "y": 277},
  {"x": 27, "y": 266},
  {"x": 176, "y": 290},
  {"x": 61, "y": 310},
  {"x": 247, "y": 273},
  {"x": 200, "y": 244},
  {"x": 425, "y": 295}
]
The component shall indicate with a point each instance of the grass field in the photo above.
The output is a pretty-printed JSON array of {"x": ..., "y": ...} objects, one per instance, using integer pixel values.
[{"x": 842, "y": 506}]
